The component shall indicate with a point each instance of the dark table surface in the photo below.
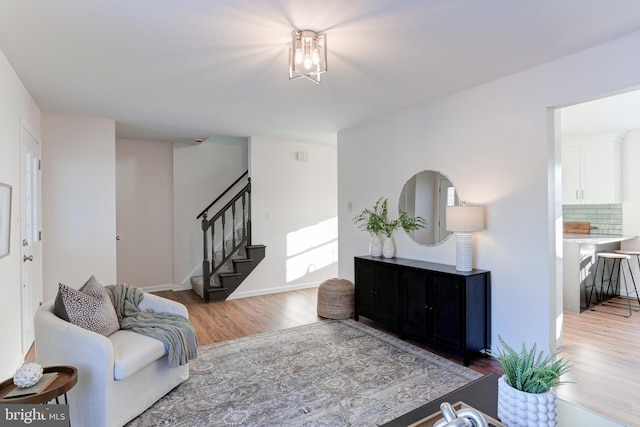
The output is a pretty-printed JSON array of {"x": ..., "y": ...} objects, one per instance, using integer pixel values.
[
  {"x": 64, "y": 381},
  {"x": 481, "y": 394}
]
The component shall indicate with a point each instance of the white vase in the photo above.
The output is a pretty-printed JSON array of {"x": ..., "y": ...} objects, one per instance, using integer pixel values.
[
  {"x": 388, "y": 248},
  {"x": 375, "y": 245},
  {"x": 520, "y": 409}
]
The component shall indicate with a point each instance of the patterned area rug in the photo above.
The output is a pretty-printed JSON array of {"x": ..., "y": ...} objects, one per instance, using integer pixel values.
[{"x": 330, "y": 373}]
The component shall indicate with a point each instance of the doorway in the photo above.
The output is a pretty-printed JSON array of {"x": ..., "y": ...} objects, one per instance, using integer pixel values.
[
  {"x": 31, "y": 238},
  {"x": 596, "y": 343},
  {"x": 610, "y": 119}
]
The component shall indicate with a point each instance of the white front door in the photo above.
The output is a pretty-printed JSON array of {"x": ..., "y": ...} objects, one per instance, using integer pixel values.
[{"x": 30, "y": 214}]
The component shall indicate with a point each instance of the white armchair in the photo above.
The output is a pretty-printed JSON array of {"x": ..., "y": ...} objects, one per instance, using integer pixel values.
[{"x": 119, "y": 376}]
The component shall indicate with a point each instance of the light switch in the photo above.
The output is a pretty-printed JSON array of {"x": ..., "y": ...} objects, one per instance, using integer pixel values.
[{"x": 267, "y": 216}]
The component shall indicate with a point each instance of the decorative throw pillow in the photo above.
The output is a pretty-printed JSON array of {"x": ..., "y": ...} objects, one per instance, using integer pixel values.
[{"x": 88, "y": 307}]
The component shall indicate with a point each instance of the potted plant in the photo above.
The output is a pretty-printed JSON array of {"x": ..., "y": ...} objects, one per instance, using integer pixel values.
[
  {"x": 525, "y": 391},
  {"x": 405, "y": 222},
  {"x": 374, "y": 222}
]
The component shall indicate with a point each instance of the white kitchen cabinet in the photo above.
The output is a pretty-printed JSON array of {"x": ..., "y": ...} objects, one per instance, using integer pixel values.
[{"x": 591, "y": 173}]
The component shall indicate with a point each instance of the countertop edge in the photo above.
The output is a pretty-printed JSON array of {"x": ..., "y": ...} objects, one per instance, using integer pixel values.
[{"x": 595, "y": 239}]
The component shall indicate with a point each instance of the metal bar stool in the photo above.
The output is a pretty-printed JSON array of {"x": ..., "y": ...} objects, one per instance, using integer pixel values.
[
  {"x": 637, "y": 255},
  {"x": 617, "y": 265}
]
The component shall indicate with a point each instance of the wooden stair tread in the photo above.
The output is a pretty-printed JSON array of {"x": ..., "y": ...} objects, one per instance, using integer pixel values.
[
  {"x": 241, "y": 260},
  {"x": 230, "y": 274},
  {"x": 199, "y": 280}
]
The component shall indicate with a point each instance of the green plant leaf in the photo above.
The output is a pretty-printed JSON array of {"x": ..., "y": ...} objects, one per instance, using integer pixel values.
[
  {"x": 376, "y": 220},
  {"x": 530, "y": 371}
]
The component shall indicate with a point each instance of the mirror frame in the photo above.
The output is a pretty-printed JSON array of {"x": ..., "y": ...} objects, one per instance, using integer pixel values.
[{"x": 427, "y": 192}]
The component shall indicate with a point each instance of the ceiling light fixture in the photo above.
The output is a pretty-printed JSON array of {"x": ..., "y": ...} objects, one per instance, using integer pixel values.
[{"x": 307, "y": 55}]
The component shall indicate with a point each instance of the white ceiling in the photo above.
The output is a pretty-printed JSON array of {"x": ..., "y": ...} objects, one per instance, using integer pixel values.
[
  {"x": 613, "y": 113},
  {"x": 183, "y": 69}
]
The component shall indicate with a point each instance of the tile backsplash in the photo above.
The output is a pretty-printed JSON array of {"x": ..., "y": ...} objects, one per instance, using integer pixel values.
[{"x": 608, "y": 218}]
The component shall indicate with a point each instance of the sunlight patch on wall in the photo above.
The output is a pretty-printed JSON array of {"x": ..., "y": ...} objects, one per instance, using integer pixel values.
[
  {"x": 559, "y": 324},
  {"x": 312, "y": 248}
]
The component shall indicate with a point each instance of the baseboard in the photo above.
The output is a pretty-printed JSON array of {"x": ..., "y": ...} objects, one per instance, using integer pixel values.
[
  {"x": 182, "y": 287},
  {"x": 237, "y": 294},
  {"x": 274, "y": 290},
  {"x": 158, "y": 288}
]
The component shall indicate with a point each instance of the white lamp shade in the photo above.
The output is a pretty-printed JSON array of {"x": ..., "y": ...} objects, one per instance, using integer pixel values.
[{"x": 464, "y": 219}]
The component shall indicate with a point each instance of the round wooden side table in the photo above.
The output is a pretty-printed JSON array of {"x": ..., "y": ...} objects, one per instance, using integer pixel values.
[{"x": 63, "y": 382}]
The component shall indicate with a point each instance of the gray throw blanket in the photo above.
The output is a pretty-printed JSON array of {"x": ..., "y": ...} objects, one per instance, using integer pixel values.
[{"x": 175, "y": 331}]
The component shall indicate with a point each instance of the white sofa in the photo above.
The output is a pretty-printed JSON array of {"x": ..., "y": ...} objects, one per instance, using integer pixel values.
[{"x": 119, "y": 376}]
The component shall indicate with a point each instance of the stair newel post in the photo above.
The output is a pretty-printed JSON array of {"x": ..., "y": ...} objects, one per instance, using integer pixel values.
[
  {"x": 205, "y": 258},
  {"x": 249, "y": 215}
]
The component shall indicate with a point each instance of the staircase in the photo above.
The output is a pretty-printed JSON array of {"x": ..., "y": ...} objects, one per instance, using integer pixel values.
[{"x": 228, "y": 254}]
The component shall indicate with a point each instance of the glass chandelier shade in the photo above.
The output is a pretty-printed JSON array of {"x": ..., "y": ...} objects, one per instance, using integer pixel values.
[{"x": 307, "y": 55}]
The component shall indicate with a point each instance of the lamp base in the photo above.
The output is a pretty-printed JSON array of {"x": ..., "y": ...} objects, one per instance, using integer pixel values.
[{"x": 464, "y": 252}]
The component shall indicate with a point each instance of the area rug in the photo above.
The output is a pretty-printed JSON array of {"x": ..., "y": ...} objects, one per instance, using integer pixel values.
[{"x": 329, "y": 373}]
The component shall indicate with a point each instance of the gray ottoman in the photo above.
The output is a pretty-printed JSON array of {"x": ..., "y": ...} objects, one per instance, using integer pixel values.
[{"x": 336, "y": 299}]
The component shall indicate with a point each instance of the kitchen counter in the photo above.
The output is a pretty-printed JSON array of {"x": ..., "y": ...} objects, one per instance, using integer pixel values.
[
  {"x": 595, "y": 239},
  {"x": 579, "y": 260}
]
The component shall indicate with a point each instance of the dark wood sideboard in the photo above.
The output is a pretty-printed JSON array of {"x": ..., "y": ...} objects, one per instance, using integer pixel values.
[{"x": 428, "y": 302}]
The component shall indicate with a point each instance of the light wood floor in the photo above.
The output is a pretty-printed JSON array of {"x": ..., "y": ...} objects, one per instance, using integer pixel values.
[
  {"x": 605, "y": 353},
  {"x": 604, "y": 349}
]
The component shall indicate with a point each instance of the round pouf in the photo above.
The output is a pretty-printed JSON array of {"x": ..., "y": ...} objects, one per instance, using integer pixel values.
[{"x": 336, "y": 299}]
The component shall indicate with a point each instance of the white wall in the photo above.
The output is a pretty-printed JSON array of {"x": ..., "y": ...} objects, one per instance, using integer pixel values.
[
  {"x": 79, "y": 201},
  {"x": 15, "y": 105},
  {"x": 631, "y": 195},
  {"x": 631, "y": 192},
  {"x": 294, "y": 214},
  {"x": 495, "y": 142},
  {"x": 197, "y": 170},
  {"x": 144, "y": 213}
]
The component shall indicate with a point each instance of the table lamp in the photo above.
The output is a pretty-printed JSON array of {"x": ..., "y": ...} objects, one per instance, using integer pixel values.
[{"x": 463, "y": 220}]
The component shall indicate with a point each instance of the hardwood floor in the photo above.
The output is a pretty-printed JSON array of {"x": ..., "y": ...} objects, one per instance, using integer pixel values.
[
  {"x": 226, "y": 320},
  {"x": 604, "y": 349}
]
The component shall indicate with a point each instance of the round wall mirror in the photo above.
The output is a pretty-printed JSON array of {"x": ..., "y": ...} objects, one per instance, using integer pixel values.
[{"x": 427, "y": 194}]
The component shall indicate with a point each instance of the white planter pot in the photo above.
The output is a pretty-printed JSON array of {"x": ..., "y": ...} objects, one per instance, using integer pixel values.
[
  {"x": 375, "y": 245},
  {"x": 388, "y": 248},
  {"x": 520, "y": 409}
]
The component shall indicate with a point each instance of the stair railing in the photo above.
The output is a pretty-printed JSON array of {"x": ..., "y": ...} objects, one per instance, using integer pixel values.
[
  {"x": 217, "y": 235},
  {"x": 205, "y": 210}
]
